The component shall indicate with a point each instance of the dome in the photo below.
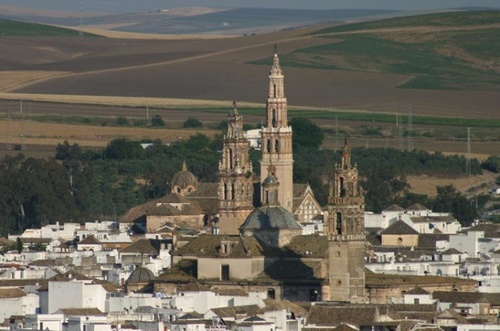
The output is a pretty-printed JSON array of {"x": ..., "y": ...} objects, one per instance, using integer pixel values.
[
  {"x": 184, "y": 180},
  {"x": 270, "y": 180},
  {"x": 270, "y": 217},
  {"x": 140, "y": 275}
]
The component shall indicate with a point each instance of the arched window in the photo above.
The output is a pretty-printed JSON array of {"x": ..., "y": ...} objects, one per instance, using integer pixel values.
[
  {"x": 274, "y": 90},
  {"x": 225, "y": 191},
  {"x": 274, "y": 120},
  {"x": 339, "y": 223},
  {"x": 268, "y": 145},
  {"x": 233, "y": 189},
  {"x": 230, "y": 158},
  {"x": 277, "y": 146}
]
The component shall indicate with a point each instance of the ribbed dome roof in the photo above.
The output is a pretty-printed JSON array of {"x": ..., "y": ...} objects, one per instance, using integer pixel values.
[
  {"x": 269, "y": 180},
  {"x": 270, "y": 217},
  {"x": 140, "y": 275},
  {"x": 184, "y": 178}
]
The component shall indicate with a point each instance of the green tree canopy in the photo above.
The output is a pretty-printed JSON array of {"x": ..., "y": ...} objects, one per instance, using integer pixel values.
[
  {"x": 192, "y": 122},
  {"x": 157, "y": 121},
  {"x": 306, "y": 133}
]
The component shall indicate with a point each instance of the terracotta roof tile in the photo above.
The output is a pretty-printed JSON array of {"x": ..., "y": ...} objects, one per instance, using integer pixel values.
[
  {"x": 428, "y": 240},
  {"x": 393, "y": 208},
  {"x": 329, "y": 315},
  {"x": 194, "y": 287},
  {"x": 431, "y": 219},
  {"x": 417, "y": 207},
  {"x": 81, "y": 312},
  {"x": 417, "y": 290},
  {"x": 10, "y": 293},
  {"x": 272, "y": 305},
  {"x": 399, "y": 227},
  {"x": 89, "y": 240},
  {"x": 143, "y": 246},
  {"x": 459, "y": 297},
  {"x": 208, "y": 245},
  {"x": 236, "y": 312}
]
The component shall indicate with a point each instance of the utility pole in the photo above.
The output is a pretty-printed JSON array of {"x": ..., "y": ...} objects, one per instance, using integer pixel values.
[
  {"x": 410, "y": 128},
  {"x": 9, "y": 146},
  {"x": 80, "y": 32},
  {"x": 336, "y": 133},
  {"x": 23, "y": 143},
  {"x": 468, "y": 169}
]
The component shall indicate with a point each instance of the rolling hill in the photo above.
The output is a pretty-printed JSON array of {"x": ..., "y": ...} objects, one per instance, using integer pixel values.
[{"x": 18, "y": 28}]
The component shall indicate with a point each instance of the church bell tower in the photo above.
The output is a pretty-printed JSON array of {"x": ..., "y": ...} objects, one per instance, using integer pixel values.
[
  {"x": 235, "y": 177},
  {"x": 346, "y": 238},
  {"x": 276, "y": 137}
]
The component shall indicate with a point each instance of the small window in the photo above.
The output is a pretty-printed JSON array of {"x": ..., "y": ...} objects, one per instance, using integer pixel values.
[
  {"x": 271, "y": 293},
  {"x": 225, "y": 272},
  {"x": 416, "y": 301},
  {"x": 313, "y": 295}
]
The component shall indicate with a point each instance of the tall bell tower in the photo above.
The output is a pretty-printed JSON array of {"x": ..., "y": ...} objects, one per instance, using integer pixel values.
[
  {"x": 235, "y": 177},
  {"x": 276, "y": 137},
  {"x": 346, "y": 236}
]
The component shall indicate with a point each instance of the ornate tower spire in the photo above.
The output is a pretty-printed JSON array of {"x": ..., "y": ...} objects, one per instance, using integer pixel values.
[
  {"x": 235, "y": 176},
  {"x": 345, "y": 229},
  {"x": 276, "y": 137}
]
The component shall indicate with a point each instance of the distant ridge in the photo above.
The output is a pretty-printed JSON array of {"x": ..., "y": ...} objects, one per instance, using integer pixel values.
[{"x": 198, "y": 20}]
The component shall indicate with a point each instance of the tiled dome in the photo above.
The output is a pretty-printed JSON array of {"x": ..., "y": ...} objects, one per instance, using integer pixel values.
[
  {"x": 270, "y": 217},
  {"x": 184, "y": 179},
  {"x": 140, "y": 275}
]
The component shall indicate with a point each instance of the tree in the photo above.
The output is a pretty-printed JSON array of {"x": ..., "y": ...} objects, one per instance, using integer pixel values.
[
  {"x": 192, "y": 122},
  {"x": 306, "y": 133},
  {"x": 449, "y": 199},
  {"x": 157, "y": 121},
  {"x": 382, "y": 188},
  {"x": 492, "y": 163},
  {"x": 122, "y": 148},
  {"x": 19, "y": 245},
  {"x": 122, "y": 120},
  {"x": 65, "y": 151}
]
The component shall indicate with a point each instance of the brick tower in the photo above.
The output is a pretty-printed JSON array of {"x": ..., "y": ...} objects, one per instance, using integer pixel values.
[
  {"x": 235, "y": 177},
  {"x": 346, "y": 237},
  {"x": 276, "y": 137}
]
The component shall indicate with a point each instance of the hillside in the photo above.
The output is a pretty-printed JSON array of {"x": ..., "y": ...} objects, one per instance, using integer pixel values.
[
  {"x": 360, "y": 97},
  {"x": 447, "y": 51},
  {"x": 17, "y": 28}
]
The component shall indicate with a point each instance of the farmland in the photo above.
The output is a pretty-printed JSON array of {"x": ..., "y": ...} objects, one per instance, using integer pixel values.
[{"x": 356, "y": 78}]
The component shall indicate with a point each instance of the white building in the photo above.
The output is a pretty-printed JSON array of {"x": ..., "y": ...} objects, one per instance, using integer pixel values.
[
  {"x": 14, "y": 301},
  {"x": 74, "y": 294},
  {"x": 467, "y": 243},
  {"x": 420, "y": 218},
  {"x": 197, "y": 298},
  {"x": 53, "y": 322}
]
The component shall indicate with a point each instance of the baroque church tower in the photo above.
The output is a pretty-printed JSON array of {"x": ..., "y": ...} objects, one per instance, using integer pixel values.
[
  {"x": 276, "y": 138},
  {"x": 235, "y": 177},
  {"x": 346, "y": 236}
]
